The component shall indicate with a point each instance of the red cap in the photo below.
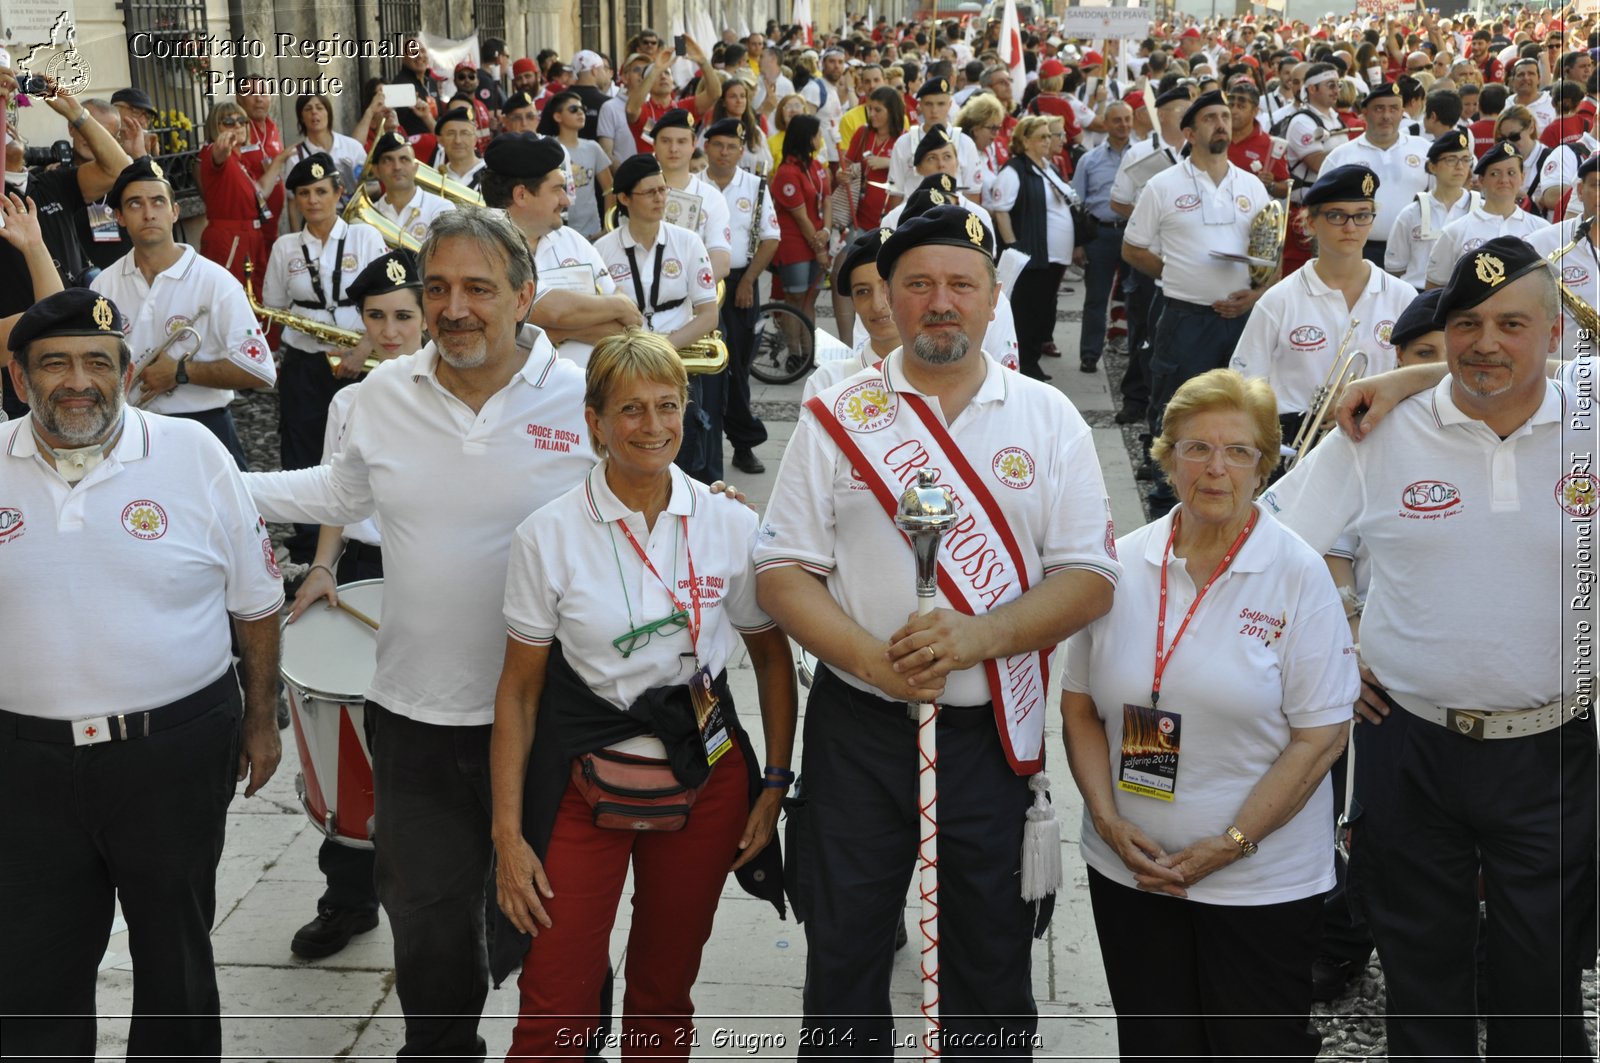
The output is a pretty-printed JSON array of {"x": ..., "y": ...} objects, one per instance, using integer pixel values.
[
  {"x": 1252, "y": 60},
  {"x": 1051, "y": 68},
  {"x": 524, "y": 66},
  {"x": 1320, "y": 35},
  {"x": 1093, "y": 58},
  {"x": 465, "y": 66},
  {"x": 1134, "y": 99},
  {"x": 1192, "y": 31}
]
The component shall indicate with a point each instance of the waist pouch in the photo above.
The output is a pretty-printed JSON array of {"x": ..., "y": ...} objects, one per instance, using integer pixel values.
[{"x": 632, "y": 793}]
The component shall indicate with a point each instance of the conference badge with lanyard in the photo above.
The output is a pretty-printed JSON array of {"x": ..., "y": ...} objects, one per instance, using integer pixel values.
[
  {"x": 702, "y": 693},
  {"x": 1151, "y": 735}
]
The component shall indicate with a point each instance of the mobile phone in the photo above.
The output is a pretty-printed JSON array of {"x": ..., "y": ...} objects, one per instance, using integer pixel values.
[{"x": 678, "y": 45}]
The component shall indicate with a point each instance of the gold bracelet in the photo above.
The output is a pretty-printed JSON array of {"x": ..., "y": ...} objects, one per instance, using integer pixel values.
[{"x": 1246, "y": 846}]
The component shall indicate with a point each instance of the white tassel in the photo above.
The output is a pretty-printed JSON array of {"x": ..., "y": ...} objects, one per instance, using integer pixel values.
[{"x": 1041, "y": 844}]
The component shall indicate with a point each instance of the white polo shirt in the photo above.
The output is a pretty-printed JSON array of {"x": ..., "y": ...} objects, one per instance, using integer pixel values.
[
  {"x": 1182, "y": 215},
  {"x": 1411, "y": 242},
  {"x": 1401, "y": 170},
  {"x": 685, "y": 273},
  {"x": 229, "y": 332},
  {"x": 449, "y": 486},
  {"x": 713, "y": 226},
  {"x": 1580, "y": 271},
  {"x": 1465, "y": 234},
  {"x": 827, "y": 521},
  {"x": 1129, "y": 183},
  {"x": 1454, "y": 517},
  {"x": 740, "y": 198},
  {"x": 1559, "y": 169},
  {"x": 418, "y": 212},
  {"x": 573, "y": 576},
  {"x": 1306, "y": 135},
  {"x": 903, "y": 171},
  {"x": 1294, "y": 332},
  {"x": 568, "y": 262},
  {"x": 1268, "y": 651},
  {"x": 1543, "y": 108},
  {"x": 364, "y": 531},
  {"x": 160, "y": 540},
  {"x": 288, "y": 284}
]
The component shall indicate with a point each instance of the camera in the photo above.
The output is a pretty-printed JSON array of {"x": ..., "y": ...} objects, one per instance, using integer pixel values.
[
  {"x": 34, "y": 85},
  {"x": 59, "y": 152}
]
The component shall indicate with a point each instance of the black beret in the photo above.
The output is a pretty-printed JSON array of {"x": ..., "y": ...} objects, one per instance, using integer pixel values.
[
  {"x": 1342, "y": 184},
  {"x": 1180, "y": 94},
  {"x": 144, "y": 168},
  {"x": 311, "y": 169},
  {"x": 525, "y": 155},
  {"x": 1416, "y": 320},
  {"x": 389, "y": 142},
  {"x": 936, "y": 190},
  {"x": 1588, "y": 166},
  {"x": 1478, "y": 274},
  {"x": 1391, "y": 91},
  {"x": 861, "y": 251},
  {"x": 389, "y": 273},
  {"x": 933, "y": 87},
  {"x": 727, "y": 127},
  {"x": 74, "y": 312},
  {"x": 1213, "y": 98},
  {"x": 677, "y": 118},
  {"x": 632, "y": 170},
  {"x": 932, "y": 140},
  {"x": 456, "y": 114},
  {"x": 1452, "y": 140},
  {"x": 1501, "y": 151},
  {"x": 516, "y": 102},
  {"x": 950, "y": 226},
  {"x": 135, "y": 98}
]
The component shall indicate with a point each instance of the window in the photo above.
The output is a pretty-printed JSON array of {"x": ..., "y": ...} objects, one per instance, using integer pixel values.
[
  {"x": 490, "y": 17},
  {"x": 176, "y": 84},
  {"x": 398, "y": 16},
  {"x": 589, "y": 24}
]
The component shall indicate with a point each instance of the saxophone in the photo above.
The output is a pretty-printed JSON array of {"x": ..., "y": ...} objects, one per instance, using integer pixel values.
[{"x": 317, "y": 330}]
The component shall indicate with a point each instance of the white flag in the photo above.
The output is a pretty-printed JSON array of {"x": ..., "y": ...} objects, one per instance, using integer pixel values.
[{"x": 1011, "y": 48}]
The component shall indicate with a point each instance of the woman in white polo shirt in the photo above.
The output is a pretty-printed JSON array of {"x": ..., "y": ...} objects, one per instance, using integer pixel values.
[
  {"x": 1201, "y": 716},
  {"x": 625, "y": 598},
  {"x": 1499, "y": 174}
]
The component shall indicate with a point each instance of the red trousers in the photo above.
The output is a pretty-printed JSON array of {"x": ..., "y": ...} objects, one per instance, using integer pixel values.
[{"x": 677, "y": 881}]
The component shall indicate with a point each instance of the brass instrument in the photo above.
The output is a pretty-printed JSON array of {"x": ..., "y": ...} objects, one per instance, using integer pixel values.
[
  {"x": 442, "y": 184},
  {"x": 709, "y": 355},
  {"x": 136, "y": 395},
  {"x": 1582, "y": 311},
  {"x": 608, "y": 220},
  {"x": 360, "y": 209},
  {"x": 1318, "y": 420},
  {"x": 1268, "y": 229},
  {"x": 320, "y": 331}
]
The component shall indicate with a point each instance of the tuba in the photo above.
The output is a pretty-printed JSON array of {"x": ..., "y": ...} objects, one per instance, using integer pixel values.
[
  {"x": 320, "y": 331},
  {"x": 1268, "y": 229},
  {"x": 442, "y": 184},
  {"x": 1581, "y": 310}
]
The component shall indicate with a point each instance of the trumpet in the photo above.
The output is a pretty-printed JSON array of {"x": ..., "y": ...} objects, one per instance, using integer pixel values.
[
  {"x": 1318, "y": 420},
  {"x": 320, "y": 331},
  {"x": 136, "y": 395},
  {"x": 1582, "y": 311}
]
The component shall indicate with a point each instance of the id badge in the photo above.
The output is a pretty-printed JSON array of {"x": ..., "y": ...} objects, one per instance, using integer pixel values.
[
  {"x": 103, "y": 224},
  {"x": 1149, "y": 752},
  {"x": 708, "y": 712}
]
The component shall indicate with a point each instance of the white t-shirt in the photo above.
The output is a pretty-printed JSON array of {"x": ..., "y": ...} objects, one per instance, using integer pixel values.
[
  {"x": 574, "y": 576},
  {"x": 1306, "y": 135},
  {"x": 1293, "y": 334},
  {"x": 1268, "y": 650},
  {"x": 1401, "y": 173},
  {"x": 418, "y": 212},
  {"x": 685, "y": 273},
  {"x": 613, "y": 124},
  {"x": 160, "y": 539},
  {"x": 229, "y": 331},
  {"x": 1559, "y": 169},
  {"x": 347, "y": 154},
  {"x": 1411, "y": 242},
  {"x": 362, "y": 531},
  {"x": 1060, "y": 517},
  {"x": 1058, "y": 200},
  {"x": 568, "y": 262},
  {"x": 1182, "y": 215},
  {"x": 740, "y": 197},
  {"x": 446, "y": 484},
  {"x": 288, "y": 283},
  {"x": 1466, "y": 234}
]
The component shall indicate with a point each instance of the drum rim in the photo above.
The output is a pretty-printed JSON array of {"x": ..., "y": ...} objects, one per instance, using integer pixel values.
[{"x": 307, "y": 688}]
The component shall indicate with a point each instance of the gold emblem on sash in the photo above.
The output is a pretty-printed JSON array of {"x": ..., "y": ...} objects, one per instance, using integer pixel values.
[{"x": 1490, "y": 270}]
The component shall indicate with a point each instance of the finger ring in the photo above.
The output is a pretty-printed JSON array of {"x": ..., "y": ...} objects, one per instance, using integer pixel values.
[{"x": 933, "y": 654}]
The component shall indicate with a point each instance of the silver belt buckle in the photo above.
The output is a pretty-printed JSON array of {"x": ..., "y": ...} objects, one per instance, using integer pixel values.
[
  {"x": 1462, "y": 722},
  {"x": 91, "y": 731}
]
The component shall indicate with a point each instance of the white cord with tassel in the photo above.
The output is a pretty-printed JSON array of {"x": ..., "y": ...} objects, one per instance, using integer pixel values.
[{"x": 1041, "y": 843}]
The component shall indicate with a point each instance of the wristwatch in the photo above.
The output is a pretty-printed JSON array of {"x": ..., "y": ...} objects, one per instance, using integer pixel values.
[
  {"x": 1245, "y": 845},
  {"x": 182, "y": 375}
]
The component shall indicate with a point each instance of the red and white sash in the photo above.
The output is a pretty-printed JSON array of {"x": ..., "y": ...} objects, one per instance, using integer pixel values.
[{"x": 888, "y": 437}]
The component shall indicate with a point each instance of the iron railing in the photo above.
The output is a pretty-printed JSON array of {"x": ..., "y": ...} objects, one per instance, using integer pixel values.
[
  {"x": 398, "y": 16},
  {"x": 589, "y": 25},
  {"x": 176, "y": 86},
  {"x": 489, "y": 16}
]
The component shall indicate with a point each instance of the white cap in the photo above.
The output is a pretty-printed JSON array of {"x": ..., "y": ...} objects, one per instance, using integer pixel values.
[{"x": 586, "y": 61}]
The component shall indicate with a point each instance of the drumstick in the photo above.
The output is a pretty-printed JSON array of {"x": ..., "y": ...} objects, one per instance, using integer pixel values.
[{"x": 358, "y": 614}]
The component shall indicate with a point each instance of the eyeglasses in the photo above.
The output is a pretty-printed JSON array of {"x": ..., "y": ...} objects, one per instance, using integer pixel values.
[
  {"x": 639, "y": 637},
  {"x": 990, "y": 128},
  {"x": 1236, "y": 455},
  {"x": 234, "y": 121},
  {"x": 1339, "y": 218}
]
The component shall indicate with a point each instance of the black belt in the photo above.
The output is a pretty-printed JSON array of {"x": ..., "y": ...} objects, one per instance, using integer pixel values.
[
  {"x": 124, "y": 727},
  {"x": 1115, "y": 223}
]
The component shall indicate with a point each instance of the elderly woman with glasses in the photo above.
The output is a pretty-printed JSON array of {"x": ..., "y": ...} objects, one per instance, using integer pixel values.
[
  {"x": 239, "y": 224},
  {"x": 1201, "y": 716},
  {"x": 983, "y": 119},
  {"x": 627, "y": 598}
]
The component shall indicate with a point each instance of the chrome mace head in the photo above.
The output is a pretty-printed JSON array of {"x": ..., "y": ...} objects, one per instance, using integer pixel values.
[{"x": 927, "y": 511}]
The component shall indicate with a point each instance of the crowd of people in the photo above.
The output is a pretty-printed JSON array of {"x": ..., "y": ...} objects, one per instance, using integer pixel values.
[{"x": 555, "y": 254}]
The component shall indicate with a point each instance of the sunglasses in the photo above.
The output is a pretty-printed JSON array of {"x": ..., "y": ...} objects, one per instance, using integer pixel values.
[
  {"x": 574, "y": 110},
  {"x": 651, "y": 41},
  {"x": 466, "y": 75},
  {"x": 234, "y": 121}
]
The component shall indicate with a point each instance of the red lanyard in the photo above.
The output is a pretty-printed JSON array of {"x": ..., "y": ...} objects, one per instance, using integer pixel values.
[
  {"x": 694, "y": 587},
  {"x": 1161, "y": 620}
]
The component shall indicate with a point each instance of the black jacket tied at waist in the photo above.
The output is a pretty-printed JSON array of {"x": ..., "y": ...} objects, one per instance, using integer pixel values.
[
  {"x": 1029, "y": 214},
  {"x": 572, "y": 721}
]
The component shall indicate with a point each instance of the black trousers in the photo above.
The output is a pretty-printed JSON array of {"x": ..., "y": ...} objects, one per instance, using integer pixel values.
[
  {"x": 1033, "y": 305},
  {"x": 853, "y": 844},
  {"x": 1138, "y": 291},
  {"x": 739, "y": 422},
  {"x": 81, "y": 827},
  {"x": 1521, "y": 811},
  {"x": 306, "y": 385},
  {"x": 1345, "y": 936},
  {"x": 220, "y": 423},
  {"x": 1207, "y": 981},
  {"x": 700, "y": 455}
]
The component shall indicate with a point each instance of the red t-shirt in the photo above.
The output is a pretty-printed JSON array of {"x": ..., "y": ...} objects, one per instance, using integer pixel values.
[
  {"x": 872, "y": 198},
  {"x": 1482, "y": 136},
  {"x": 649, "y": 111},
  {"x": 792, "y": 188},
  {"x": 1562, "y": 130},
  {"x": 1493, "y": 70},
  {"x": 1254, "y": 154}
]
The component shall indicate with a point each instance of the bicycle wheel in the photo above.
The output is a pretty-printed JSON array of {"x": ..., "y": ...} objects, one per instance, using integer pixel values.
[{"x": 782, "y": 348}]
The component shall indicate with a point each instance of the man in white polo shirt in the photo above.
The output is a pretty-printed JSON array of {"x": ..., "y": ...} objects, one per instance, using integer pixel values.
[
  {"x": 1397, "y": 158},
  {"x": 451, "y": 448},
  {"x": 933, "y": 109},
  {"x": 1315, "y": 129},
  {"x": 1579, "y": 263},
  {"x": 410, "y": 207},
  {"x": 1483, "y": 745},
  {"x": 1029, "y": 562},
  {"x": 139, "y": 522}
]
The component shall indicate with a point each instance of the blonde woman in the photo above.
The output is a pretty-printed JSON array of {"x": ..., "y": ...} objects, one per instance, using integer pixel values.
[{"x": 239, "y": 225}]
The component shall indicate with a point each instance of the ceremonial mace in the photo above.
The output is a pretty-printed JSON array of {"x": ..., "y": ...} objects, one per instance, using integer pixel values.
[{"x": 926, "y": 512}]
